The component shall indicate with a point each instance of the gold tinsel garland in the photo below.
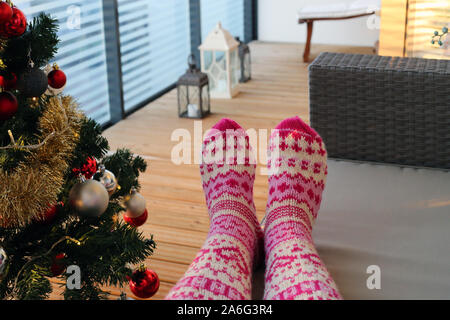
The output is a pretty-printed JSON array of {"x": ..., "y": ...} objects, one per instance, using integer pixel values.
[{"x": 28, "y": 191}]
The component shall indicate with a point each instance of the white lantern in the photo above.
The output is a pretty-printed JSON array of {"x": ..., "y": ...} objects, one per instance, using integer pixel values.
[{"x": 220, "y": 61}]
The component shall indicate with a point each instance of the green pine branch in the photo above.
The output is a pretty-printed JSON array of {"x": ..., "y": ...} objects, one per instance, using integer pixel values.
[{"x": 41, "y": 38}]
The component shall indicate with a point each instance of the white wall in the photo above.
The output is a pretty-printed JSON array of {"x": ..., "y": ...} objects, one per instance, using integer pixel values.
[{"x": 277, "y": 21}]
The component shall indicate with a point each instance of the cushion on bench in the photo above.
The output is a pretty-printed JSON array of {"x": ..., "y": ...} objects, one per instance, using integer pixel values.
[{"x": 339, "y": 10}]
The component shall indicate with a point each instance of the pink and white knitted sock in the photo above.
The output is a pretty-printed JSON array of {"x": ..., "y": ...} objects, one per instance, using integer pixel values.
[
  {"x": 298, "y": 169},
  {"x": 223, "y": 267}
]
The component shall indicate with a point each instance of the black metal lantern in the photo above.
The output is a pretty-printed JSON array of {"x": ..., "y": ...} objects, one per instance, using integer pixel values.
[
  {"x": 193, "y": 92},
  {"x": 246, "y": 61}
]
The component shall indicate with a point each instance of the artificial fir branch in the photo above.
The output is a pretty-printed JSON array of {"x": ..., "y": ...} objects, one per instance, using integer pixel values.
[
  {"x": 14, "y": 288},
  {"x": 40, "y": 37},
  {"x": 91, "y": 143},
  {"x": 125, "y": 166},
  {"x": 35, "y": 285}
]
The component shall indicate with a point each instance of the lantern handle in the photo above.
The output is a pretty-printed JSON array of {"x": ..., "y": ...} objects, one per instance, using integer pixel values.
[{"x": 191, "y": 62}]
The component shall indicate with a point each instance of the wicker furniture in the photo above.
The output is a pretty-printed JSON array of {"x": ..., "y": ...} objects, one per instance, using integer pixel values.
[{"x": 383, "y": 109}]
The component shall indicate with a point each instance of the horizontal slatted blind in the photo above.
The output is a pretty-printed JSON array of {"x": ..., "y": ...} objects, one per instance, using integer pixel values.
[
  {"x": 81, "y": 52},
  {"x": 229, "y": 12},
  {"x": 154, "y": 46}
]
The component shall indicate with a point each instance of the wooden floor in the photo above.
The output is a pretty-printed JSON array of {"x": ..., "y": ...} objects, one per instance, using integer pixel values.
[{"x": 178, "y": 216}]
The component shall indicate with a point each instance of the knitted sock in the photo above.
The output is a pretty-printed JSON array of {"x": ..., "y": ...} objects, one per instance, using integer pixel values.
[
  {"x": 223, "y": 267},
  {"x": 298, "y": 169}
]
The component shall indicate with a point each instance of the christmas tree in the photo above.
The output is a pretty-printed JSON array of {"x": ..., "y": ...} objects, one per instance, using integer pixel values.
[{"x": 61, "y": 192}]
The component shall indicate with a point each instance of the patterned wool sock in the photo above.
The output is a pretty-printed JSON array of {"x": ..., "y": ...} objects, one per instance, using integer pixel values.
[
  {"x": 223, "y": 267},
  {"x": 298, "y": 169}
]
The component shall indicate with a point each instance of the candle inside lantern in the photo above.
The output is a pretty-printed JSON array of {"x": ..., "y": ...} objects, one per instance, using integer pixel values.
[{"x": 193, "y": 111}]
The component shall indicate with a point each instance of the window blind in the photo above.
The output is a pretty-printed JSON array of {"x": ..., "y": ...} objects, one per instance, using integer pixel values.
[
  {"x": 154, "y": 46},
  {"x": 81, "y": 53},
  {"x": 229, "y": 12}
]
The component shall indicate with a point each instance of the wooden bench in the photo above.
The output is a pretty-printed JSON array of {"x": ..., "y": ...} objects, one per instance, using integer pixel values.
[{"x": 335, "y": 11}]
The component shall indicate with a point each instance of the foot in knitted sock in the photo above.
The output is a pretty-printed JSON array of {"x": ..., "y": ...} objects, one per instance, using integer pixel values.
[
  {"x": 223, "y": 267},
  {"x": 298, "y": 169}
]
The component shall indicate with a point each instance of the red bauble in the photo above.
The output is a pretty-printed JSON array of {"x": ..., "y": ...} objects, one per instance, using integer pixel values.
[
  {"x": 88, "y": 169},
  {"x": 8, "y": 105},
  {"x": 57, "y": 268},
  {"x": 16, "y": 26},
  {"x": 144, "y": 283},
  {"x": 136, "y": 222},
  {"x": 57, "y": 79},
  {"x": 5, "y": 12},
  {"x": 50, "y": 214}
]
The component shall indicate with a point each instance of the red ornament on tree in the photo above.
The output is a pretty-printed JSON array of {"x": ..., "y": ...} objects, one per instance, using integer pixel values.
[
  {"x": 8, "y": 105},
  {"x": 144, "y": 283},
  {"x": 51, "y": 213},
  {"x": 16, "y": 26},
  {"x": 56, "y": 78},
  {"x": 57, "y": 268},
  {"x": 136, "y": 222},
  {"x": 5, "y": 12},
  {"x": 88, "y": 169}
]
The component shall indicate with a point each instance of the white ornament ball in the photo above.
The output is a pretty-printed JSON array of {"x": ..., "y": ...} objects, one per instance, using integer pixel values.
[
  {"x": 53, "y": 92},
  {"x": 89, "y": 198},
  {"x": 135, "y": 204}
]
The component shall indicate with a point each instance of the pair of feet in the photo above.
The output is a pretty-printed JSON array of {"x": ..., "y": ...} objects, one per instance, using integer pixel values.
[{"x": 297, "y": 172}]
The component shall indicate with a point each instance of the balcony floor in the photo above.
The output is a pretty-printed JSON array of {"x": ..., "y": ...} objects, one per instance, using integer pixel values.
[{"x": 178, "y": 216}]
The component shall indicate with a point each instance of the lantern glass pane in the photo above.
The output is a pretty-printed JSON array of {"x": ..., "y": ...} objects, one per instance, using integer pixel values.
[
  {"x": 193, "y": 95},
  {"x": 221, "y": 59},
  {"x": 235, "y": 68},
  {"x": 205, "y": 99},
  {"x": 182, "y": 100},
  {"x": 212, "y": 83},
  {"x": 217, "y": 72},
  {"x": 247, "y": 66},
  {"x": 189, "y": 101},
  {"x": 222, "y": 83},
  {"x": 208, "y": 59},
  {"x": 193, "y": 108}
]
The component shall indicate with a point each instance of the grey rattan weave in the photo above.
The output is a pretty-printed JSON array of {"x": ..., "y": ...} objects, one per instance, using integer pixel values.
[{"x": 383, "y": 109}]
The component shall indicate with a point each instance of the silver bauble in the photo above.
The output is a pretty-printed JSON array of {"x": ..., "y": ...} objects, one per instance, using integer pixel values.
[
  {"x": 108, "y": 180},
  {"x": 89, "y": 198},
  {"x": 3, "y": 259},
  {"x": 135, "y": 203}
]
